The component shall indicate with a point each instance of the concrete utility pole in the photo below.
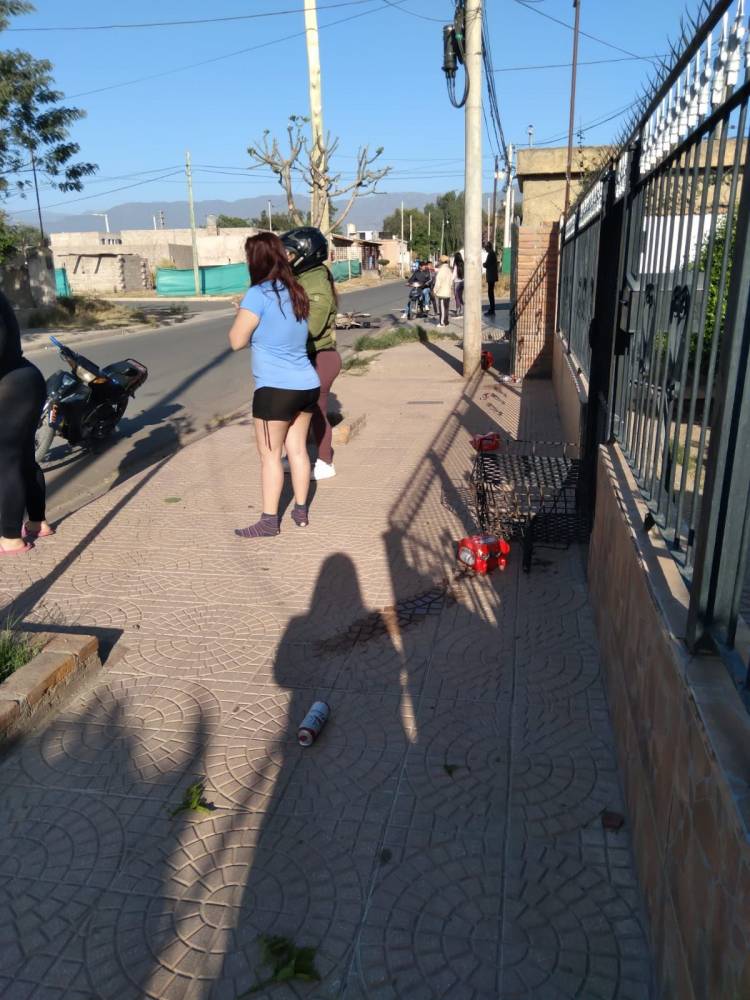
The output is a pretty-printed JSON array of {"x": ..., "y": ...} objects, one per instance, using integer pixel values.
[
  {"x": 401, "y": 249},
  {"x": 191, "y": 209},
  {"x": 319, "y": 194},
  {"x": 569, "y": 165},
  {"x": 508, "y": 200},
  {"x": 493, "y": 240},
  {"x": 270, "y": 218},
  {"x": 473, "y": 190}
]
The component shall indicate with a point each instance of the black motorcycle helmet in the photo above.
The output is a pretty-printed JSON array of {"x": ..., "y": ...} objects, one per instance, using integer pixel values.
[{"x": 308, "y": 246}]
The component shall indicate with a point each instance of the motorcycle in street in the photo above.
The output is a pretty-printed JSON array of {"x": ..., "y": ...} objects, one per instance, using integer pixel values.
[
  {"x": 85, "y": 404},
  {"x": 416, "y": 307}
]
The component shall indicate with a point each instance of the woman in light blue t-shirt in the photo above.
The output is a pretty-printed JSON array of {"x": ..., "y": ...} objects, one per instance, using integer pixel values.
[{"x": 273, "y": 314}]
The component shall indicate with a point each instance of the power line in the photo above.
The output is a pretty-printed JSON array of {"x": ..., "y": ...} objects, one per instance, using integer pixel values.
[
  {"x": 491, "y": 91},
  {"x": 198, "y": 20},
  {"x": 594, "y": 38},
  {"x": 567, "y": 65},
  {"x": 413, "y": 13},
  {"x": 99, "y": 194},
  {"x": 607, "y": 117},
  {"x": 226, "y": 55}
]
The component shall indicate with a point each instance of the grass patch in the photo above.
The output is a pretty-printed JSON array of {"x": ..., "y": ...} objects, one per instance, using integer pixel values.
[
  {"x": 356, "y": 365},
  {"x": 16, "y": 649},
  {"x": 400, "y": 335},
  {"x": 86, "y": 312}
]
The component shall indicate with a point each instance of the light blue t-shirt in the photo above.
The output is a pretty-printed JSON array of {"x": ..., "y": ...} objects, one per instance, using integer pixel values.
[{"x": 279, "y": 344}]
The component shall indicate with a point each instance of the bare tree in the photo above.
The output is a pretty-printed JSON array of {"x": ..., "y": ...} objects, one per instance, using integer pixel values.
[{"x": 310, "y": 165}]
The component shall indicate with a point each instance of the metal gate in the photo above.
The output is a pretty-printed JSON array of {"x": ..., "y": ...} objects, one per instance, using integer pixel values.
[{"x": 653, "y": 305}]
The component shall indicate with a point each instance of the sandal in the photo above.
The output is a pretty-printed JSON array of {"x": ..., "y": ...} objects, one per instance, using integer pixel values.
[
  {"x": 33, "y": 535},
  {"x": 27, "y": 547}
]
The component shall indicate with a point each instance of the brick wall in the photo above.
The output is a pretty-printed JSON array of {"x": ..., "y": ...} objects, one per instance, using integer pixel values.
[{"x": 533, "y": 294}]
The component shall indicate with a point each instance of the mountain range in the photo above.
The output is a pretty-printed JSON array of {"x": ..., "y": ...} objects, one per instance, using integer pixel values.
[{"x": 368, "y": 212}]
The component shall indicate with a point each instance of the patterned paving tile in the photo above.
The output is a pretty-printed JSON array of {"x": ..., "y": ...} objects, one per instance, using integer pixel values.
[{"x": 442, "y": 838}]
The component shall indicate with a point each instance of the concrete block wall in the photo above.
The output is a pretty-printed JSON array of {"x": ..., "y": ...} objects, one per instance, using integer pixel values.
[{"x": 683, "y": 740}]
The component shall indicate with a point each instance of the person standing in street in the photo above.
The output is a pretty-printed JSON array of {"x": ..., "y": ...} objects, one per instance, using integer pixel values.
[
  {"x": 490, "y": 268},
  {"x": 273, "y": 314},
  {"x": 458, "y": 283},
  {"x": 22, "y": 488},
  {"x": 307, "y": 252},
  {"x": 443, "y": 287}
]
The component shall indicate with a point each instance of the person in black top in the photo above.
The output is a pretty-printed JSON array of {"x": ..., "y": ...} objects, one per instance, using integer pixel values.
[
  {"x": 423, "y": 278},
  {"x": 490, "y": 269},
  {"x": 22, "y": 395}
]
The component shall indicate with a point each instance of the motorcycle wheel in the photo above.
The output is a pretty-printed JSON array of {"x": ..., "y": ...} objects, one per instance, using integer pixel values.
[{"x": 43, "y": 441}]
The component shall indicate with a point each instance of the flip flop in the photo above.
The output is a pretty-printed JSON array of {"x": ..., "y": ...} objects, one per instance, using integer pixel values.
[
  {"x": 16, "y": 552},
  {"x": 33, "y": 535}
]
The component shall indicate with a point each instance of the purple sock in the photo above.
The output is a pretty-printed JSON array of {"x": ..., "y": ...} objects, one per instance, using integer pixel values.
[
  {"x": 299, "y": 515},
  {"x": 265, "y": 528}
]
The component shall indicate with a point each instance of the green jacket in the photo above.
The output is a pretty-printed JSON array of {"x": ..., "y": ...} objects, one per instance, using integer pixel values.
[{"x": 322, "y": 318}]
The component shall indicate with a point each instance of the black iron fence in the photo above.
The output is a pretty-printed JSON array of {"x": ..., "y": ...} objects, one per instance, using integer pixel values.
[{"x": 653, "y": 306}]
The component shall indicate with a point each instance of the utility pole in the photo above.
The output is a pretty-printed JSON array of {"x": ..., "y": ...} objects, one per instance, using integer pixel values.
[
  {"x": 191, "y": 209},
  {"x": 36, "y": 189},
  {"x": 319, "y": 208},
  {"x": 473, "y": 190},
  {"x": 494, "y": 201},
  {"x": 401, "y": 249},
  {"x": 411, "y": 230},
  {"x": 508, "y": 200},
  {"x": 270, "y": 218},
  {"x": 568, "y": 167},
  {"x": 442, "y": 235}
]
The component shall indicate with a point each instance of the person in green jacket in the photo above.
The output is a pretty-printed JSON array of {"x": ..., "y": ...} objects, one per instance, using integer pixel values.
[{"x": 307, "y": 250}]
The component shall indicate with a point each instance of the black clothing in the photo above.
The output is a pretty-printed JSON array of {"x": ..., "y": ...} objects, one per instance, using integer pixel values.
[
  {"x": 490, "y": 267},
  {"x": 421, "y": 278},
  {"x": 22, "y": 395},
  {"x": 284, "y": 404},
  {"x": 491, "y": 297},
  {"x": 10, "y": 338}
]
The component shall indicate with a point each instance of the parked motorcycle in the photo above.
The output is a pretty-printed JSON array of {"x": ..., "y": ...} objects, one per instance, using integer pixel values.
[{"x": 85, "y": 404}]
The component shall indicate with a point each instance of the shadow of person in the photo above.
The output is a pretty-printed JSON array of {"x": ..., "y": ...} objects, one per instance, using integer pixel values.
[{"x": 323, "y": 825}]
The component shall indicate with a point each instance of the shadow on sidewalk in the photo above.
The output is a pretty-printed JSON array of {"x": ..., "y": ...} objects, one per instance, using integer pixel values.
[{"x": 169, "y": 425}]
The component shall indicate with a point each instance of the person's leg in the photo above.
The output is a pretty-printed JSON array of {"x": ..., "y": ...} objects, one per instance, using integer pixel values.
[
  {"x": 299, "y": 464},
  {"x": 269, "y": 438},
  {"x": 491, "y": 296},
  {"x": 36, "y": 491},
  {"x": 22, "y": 393},
  {"x": 328, "y": 366},
  {"x": 460, "y": 297}
]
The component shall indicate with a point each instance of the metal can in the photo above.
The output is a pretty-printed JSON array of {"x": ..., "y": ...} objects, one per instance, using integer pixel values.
[{"x": 312, "y": 725}]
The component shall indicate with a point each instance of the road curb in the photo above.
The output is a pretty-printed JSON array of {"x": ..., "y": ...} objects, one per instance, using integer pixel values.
[
  {"x": 349, "y": 428},
  {"x": 37, "y": 688}
]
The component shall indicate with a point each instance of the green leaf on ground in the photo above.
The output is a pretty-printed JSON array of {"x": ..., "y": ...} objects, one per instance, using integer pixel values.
[
  {"x": 194, "y": 800},
  {"x": 172, "y": 499},
  {"x": 287, "y": 962}
]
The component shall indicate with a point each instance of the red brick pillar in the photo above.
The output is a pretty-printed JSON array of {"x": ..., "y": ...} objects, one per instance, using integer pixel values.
[{"x": 534, "y": 299}]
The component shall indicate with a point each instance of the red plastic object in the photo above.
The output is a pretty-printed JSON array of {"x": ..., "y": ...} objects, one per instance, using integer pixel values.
[
  {"x": 483, "y": 553},
  {"x": 486, "y": 360},
  {"x": 486, "y": 442}
]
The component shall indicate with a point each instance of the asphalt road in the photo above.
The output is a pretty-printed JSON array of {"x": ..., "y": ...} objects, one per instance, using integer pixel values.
[{"x": 195, "y": 380}]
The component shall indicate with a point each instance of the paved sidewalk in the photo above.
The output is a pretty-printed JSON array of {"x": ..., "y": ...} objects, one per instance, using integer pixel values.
[{"x": 442, "y": 838}]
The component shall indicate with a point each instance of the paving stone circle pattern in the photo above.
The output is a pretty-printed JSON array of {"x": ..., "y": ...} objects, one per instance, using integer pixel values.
[{"x": 443, "y": 838}]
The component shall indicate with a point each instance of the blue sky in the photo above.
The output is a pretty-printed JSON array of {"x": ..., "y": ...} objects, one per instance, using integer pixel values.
[{"x": 382, "y": 85}]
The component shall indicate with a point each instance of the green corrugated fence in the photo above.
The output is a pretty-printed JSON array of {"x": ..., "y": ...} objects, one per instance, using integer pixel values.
[
  {"x": 228, "y": 279},
  {"x": 342, "y": 270},
  {"x": 61, "y": 282},
  {"x": 507, "y": 260},
  {"x": 223, "y": 279}
]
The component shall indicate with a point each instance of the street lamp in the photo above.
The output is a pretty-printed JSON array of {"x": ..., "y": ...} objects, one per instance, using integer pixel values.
[
  {"x": 530, "y": 130},
  {"x": 103, "y": 215}
]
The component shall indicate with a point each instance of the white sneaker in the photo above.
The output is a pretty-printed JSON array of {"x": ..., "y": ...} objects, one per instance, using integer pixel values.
[{"x": 323, "y": 470}]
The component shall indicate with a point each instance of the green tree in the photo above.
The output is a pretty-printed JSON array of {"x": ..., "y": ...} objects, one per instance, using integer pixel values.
[
  {"x": 35, "y": 125},
  {"x": 232, "y": 222},
  {"x": 15, "y": 238},
  {"x": 280, "y": 221},
  {"x": 715, "y": 309}
]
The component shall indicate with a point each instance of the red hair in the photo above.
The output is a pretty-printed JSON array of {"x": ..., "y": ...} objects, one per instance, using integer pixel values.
[{"x": 267, "y": 261}]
